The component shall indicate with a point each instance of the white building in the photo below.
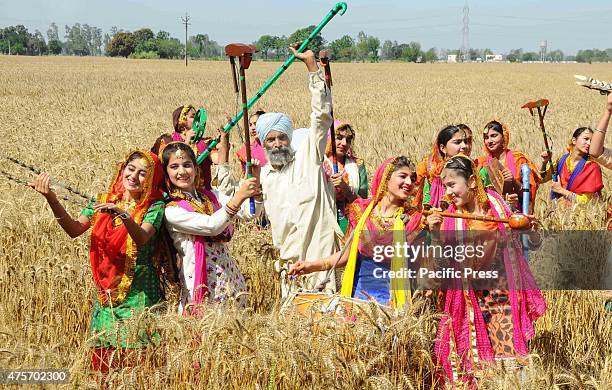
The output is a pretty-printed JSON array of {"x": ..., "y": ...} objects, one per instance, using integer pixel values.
[
  {"x": 451, "y": 58},
  {"x": 494, "y": 58}
]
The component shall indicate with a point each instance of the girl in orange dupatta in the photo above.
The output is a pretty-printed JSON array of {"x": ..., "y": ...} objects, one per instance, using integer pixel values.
[
  {"x": 386, "y": 219},
  {"x": 125, "y": 223},
  {"x": 450, "y": 141},
  {"x": 579, "y": 176},
  {"x": 479, "y": 327},
  {"x": 496, "y": 142}
]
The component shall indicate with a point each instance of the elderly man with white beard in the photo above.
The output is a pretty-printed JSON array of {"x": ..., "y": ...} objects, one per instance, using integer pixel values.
[{"x": 298, "y": 200}]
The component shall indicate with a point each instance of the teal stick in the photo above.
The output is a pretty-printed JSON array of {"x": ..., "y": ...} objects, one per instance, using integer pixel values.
[{"x": 339, "y": 8}]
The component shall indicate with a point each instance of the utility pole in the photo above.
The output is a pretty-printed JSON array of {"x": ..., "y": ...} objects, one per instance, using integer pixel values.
[
  {"x": 9, "y": 47},
  {"x": 186, "y": 23}
]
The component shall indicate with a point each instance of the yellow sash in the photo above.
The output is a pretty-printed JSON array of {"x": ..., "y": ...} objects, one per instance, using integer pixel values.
[{"x": 400, "y": 287}]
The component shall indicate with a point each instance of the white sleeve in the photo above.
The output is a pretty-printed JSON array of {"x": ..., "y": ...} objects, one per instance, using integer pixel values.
[
  {"x": 189, "y": 222},
  {"x": 245, "y": 208}
]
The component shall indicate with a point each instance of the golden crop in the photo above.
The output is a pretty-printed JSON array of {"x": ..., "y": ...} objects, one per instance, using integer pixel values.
[{"x": 77, "y": 117}]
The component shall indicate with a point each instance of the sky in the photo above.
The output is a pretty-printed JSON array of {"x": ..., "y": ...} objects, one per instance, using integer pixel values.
[{"x": 500, "y": 25}]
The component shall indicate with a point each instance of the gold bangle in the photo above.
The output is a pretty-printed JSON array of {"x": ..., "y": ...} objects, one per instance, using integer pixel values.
[{"x": 326, "y": 265}]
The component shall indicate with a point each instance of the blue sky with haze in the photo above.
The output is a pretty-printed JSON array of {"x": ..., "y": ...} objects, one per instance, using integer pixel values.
[{"x": 500, "y": 25}]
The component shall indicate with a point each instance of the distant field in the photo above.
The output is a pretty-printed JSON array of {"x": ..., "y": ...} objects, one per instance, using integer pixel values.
[{"x": 77, "y": 117}]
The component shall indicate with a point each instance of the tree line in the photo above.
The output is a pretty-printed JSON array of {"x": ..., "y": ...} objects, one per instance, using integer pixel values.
[{"x": 85, "y": 40}]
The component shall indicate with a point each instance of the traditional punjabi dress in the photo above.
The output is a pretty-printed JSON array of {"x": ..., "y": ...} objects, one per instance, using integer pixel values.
[
  {"x": 583, "y": 179},
  {"x": 481, "y": 327},
  {"x": 362, "y": 275},
  {"x": 124, "y": 274},
  {"x": 299, "y": 201},
  {"x": 429, "y": 181},
  {"x": 355, "y": 176},
  {"x": 513, "y": 162},
  {"x": 200, "y": 228}
]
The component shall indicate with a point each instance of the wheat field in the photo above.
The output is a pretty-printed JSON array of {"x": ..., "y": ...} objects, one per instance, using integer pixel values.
[{"x": 77, "y": 117}]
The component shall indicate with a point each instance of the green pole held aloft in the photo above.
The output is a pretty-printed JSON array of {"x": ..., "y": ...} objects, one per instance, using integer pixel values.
[{"x": 339, "y": 8}]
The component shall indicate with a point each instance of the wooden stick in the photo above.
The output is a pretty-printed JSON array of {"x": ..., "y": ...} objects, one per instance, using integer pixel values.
[{"x": 516, "y": 221}]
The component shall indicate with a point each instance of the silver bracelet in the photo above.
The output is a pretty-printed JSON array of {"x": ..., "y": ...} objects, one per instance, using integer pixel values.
[{"x": 601, "y": 131}]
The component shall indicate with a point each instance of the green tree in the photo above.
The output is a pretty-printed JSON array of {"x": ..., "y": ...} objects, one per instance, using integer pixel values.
[
  {"x": 530, "y": 56},
  {"x": 430, "y": 55},
  {"x": 37, "y": 44},
  {"x": 169, "y": 48},
  {"x": 55, "y": 47},
  {"x": 122, "y": 44},
  {"x": 163, "y": 35},
  {"x": 53, "y": 33},
  {"x": 411, "y": 52},
  {"x": 343, "y": 49},
  {"x": 556, "y": 56},
  {"x": 315, "y": 45},
  {"x": 77, "y": 42},
  {"x": 17, "y": 37},
  {"x": 144, "y": 40},
  {"x": 204, "y": 47},
  {"x": 515, "y": 55},
  {"x": 266, "y": 44}
]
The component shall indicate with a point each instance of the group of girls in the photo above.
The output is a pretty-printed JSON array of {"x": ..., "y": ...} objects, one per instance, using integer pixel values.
[
  {"x": 154, "y": 195},
  {"x": 478, "y": 327},
  {"x": 163, "y": 193}
]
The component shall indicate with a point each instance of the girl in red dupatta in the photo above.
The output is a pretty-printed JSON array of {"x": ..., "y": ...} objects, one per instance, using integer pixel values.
[
  {"x": 450, "y": 141},
  {"x": 496, "y": 142},
  {"x": 125, "y": 222},
  {"x": 386, "y": 219},
  {"x": 579, "y": 176},
  {"x": 199, "y": 222},
  {"x": 480, "y": 327}
]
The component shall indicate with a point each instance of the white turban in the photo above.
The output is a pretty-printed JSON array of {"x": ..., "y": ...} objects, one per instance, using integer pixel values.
[{"x": 273, "y": 121}]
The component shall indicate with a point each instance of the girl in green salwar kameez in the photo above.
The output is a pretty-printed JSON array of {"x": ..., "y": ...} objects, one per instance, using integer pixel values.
[{"x": 125, "y": 223}]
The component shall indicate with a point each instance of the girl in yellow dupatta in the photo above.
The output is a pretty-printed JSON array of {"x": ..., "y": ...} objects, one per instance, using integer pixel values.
[{"x": 379, "y": 222}]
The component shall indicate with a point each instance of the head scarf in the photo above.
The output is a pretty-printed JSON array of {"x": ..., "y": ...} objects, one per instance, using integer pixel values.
[
  {"x": 510, "y": 160},
  {"x": 113, "y": 253},
  {"x": 430, "y": 168},
  {"x": 273, "y": 121},
  {"x": 400, "y": 289},
  {"x": 340, "y": 125},
  {"x": 180, "y": 120}
]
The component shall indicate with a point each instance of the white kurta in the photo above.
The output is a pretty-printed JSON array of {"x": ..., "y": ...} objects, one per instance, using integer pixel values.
[
  {"x": 299, "y": 201},
  {"x": 224, "y": 278}
]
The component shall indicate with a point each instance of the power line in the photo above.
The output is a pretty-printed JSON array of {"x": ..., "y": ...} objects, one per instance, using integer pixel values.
[
  {"x": 185, "y": 21},
  {"x": 465, "y": 44}
]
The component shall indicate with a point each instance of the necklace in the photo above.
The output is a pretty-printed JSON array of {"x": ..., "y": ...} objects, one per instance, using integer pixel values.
[
  {"x": 201, "y": 205},
  {"x": 382, "y": 223}
]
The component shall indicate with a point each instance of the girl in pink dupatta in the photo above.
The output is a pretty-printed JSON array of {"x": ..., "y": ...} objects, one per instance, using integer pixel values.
[
  {"x": 385, "y": 219},
  {"x": 200, "y": 225},
  {"x": 481, "y": 327},
  {"x": 257, "y": 151}
]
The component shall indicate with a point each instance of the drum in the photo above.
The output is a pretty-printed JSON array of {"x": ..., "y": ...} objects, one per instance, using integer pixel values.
[{"x": 319, "y": 305}]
